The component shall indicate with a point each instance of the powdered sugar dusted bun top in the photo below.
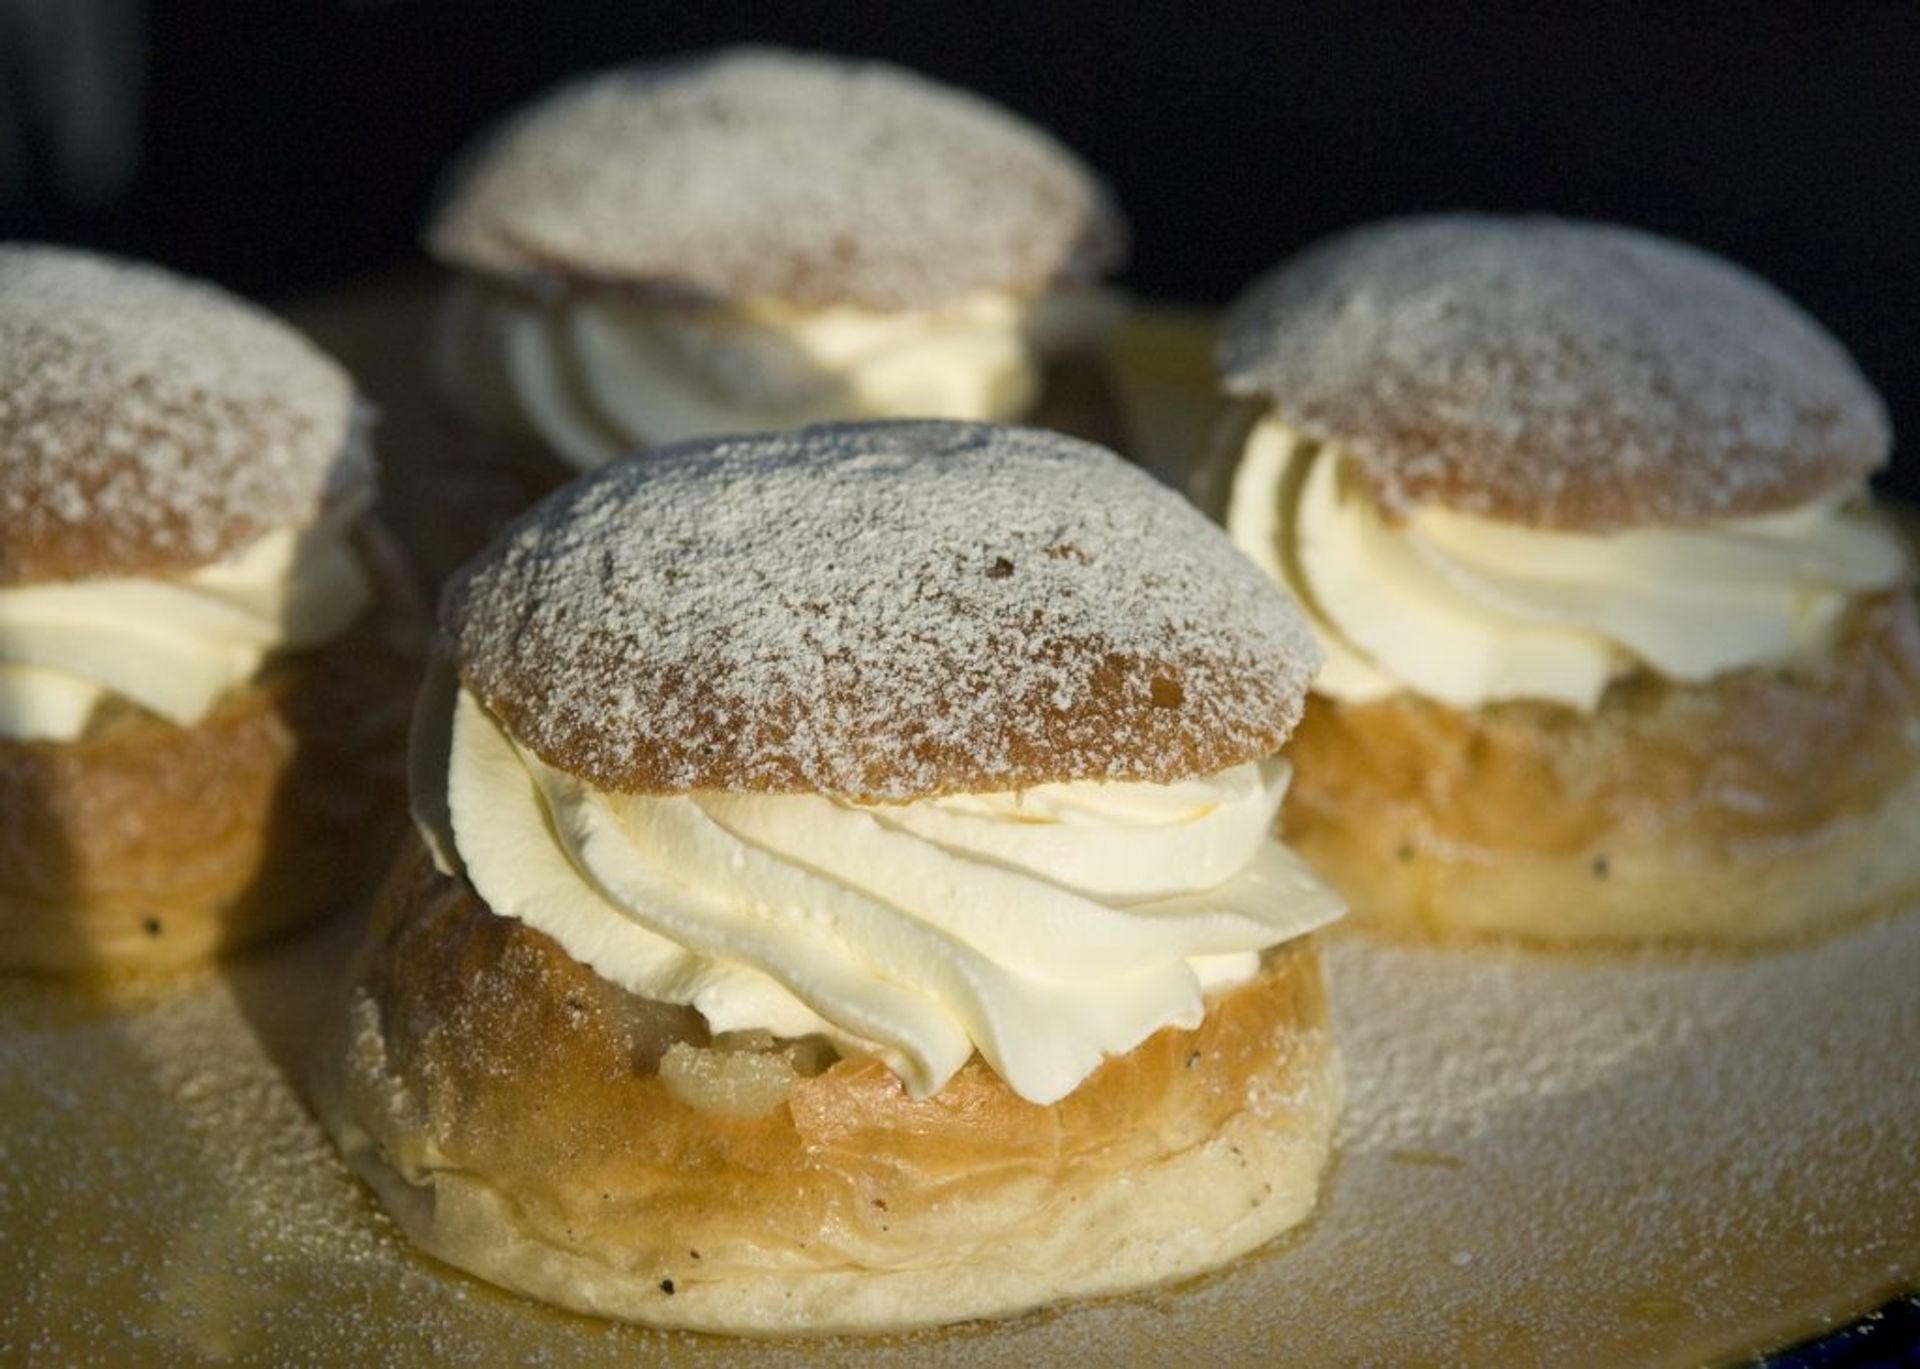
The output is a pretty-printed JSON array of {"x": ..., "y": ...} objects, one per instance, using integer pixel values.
[
  {"x": 1552, "y": 373},
  {"x": 151, "y": 424},
  {"x": 883, "y": 611},
  {"x": 757, "y": 173}
]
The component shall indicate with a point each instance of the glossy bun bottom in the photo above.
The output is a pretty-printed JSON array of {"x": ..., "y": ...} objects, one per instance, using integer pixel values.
[
  {"x": 145, "y": 845},
  {"x": 1763, "y": 806},
  {"x": 526, "y": 1121}
]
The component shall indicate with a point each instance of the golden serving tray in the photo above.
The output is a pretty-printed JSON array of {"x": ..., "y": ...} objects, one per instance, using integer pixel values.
[{"x": 1544, "y": 1160}]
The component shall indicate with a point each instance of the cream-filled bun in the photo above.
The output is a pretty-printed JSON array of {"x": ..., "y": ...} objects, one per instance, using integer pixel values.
[
  {"x": 203, "y": 640},
  {"x": 1618, "y": 646},
  {"x": 751, "y": 240},
  {"x": 846, "y": 896}
]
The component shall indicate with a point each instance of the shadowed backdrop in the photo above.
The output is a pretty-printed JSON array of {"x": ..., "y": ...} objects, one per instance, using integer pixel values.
[{"x": 286, "y": 148}]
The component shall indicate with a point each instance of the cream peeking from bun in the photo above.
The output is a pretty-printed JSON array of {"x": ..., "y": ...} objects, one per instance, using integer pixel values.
[
  {"x": 881, "y": 816},
  {"x": 198, "y": 692},
  {"x": 751, "y": 240},
  {"x": 1580, "y": 517}
]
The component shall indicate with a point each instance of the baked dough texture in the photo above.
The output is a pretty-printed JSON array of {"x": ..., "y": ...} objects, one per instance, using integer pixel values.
[
  {"x": 1590, "y": 378},
  {"x": 462, "y": 488},
  {"x": 882, "y": 611},
  {"x": 144, "y": 845},
  {"x": 1767, "y": 805},
  {"x": 151, "y": 424},
  {"x": 753, "y": 173},
  {"x": 1554, "y": 374},
  {"x": 507, "y": 1107}
]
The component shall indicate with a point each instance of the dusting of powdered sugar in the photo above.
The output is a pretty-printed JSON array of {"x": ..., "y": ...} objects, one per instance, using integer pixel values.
[
  {"x": 757, "y": 173},
  {"x": 1555, "y": 373},
  {"x": 883, "y": 611},
  {"x": 150, "y": 423},
  {"x": 1543, "y": 1160}
]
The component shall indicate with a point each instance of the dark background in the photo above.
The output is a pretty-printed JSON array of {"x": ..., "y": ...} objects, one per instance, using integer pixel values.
[{"x": 283, "y": 148}]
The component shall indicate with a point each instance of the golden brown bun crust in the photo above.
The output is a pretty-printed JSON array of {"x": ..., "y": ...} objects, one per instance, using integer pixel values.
[
  {"x": 1552, "y": 373},
  {"x": 1763, "y": 806},
  {"x": 144, "y": 845},
  {"x": 491, "y": 1089},
  {"x": 150, "y": 424},
  {"x": 881, "y": 611},
  {"x": 479, "y": 475},
  {"x": 752, "y": 173}
]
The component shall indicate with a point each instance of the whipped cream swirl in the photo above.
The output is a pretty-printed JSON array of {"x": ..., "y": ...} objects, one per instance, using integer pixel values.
[
  {"x": 1469, "y": 610},
  {"x": 173, "y": 646},
  {"x": 1047, "y": 929},
  {"x": 598, "y": 375}
]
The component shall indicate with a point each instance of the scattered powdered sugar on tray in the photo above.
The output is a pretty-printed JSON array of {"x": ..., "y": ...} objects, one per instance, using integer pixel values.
[
  {"x": 884, "y": 611},
  {"x": 754, "y": 173},
  {"x": 1554, "y": 373},
  {"x": 1543, "y": 1160},
  {"x": 152, "y": 423}
]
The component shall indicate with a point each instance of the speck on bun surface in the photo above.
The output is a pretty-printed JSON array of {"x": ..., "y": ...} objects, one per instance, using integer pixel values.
[
  {"x": 883, "y": 611},
  {"x": 873, "y": 612},
  {"x": 1553, "y": 373}
]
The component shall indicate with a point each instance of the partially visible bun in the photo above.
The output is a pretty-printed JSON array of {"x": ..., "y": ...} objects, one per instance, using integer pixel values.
[
  {"x": 1766, "y": 805},
  {"x": 883, "y": 611},
  {"x": 509, "y": 1108},
  {"x": 752, "y": 173},
  {"x": 145, "y": 845},
  {"x": 151, "y": 424},
  {"x": 1554, "y": 374}
]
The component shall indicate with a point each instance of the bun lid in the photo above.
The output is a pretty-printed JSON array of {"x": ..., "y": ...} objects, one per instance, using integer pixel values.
[
  {"x": 884, "y": 611},
  {"x": 764, "y": 174},
  {"x": 1553, "y": 373},
  {"x": 150, "y": 424}
]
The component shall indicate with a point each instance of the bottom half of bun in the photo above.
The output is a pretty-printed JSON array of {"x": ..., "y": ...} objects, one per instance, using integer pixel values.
[
  {"x": 528, "y": 1122},
  {"x": 1764, "y": 806},
  {"x": 145, "y": 845}
]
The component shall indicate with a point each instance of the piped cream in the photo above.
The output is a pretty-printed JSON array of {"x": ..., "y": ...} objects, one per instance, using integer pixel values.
[
  {"x": 1047, "y": 929},
  {"x": 1469, "y": 610},
  {"x": 598, "y": 376},
  {"x": 172, "y": 646}
]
